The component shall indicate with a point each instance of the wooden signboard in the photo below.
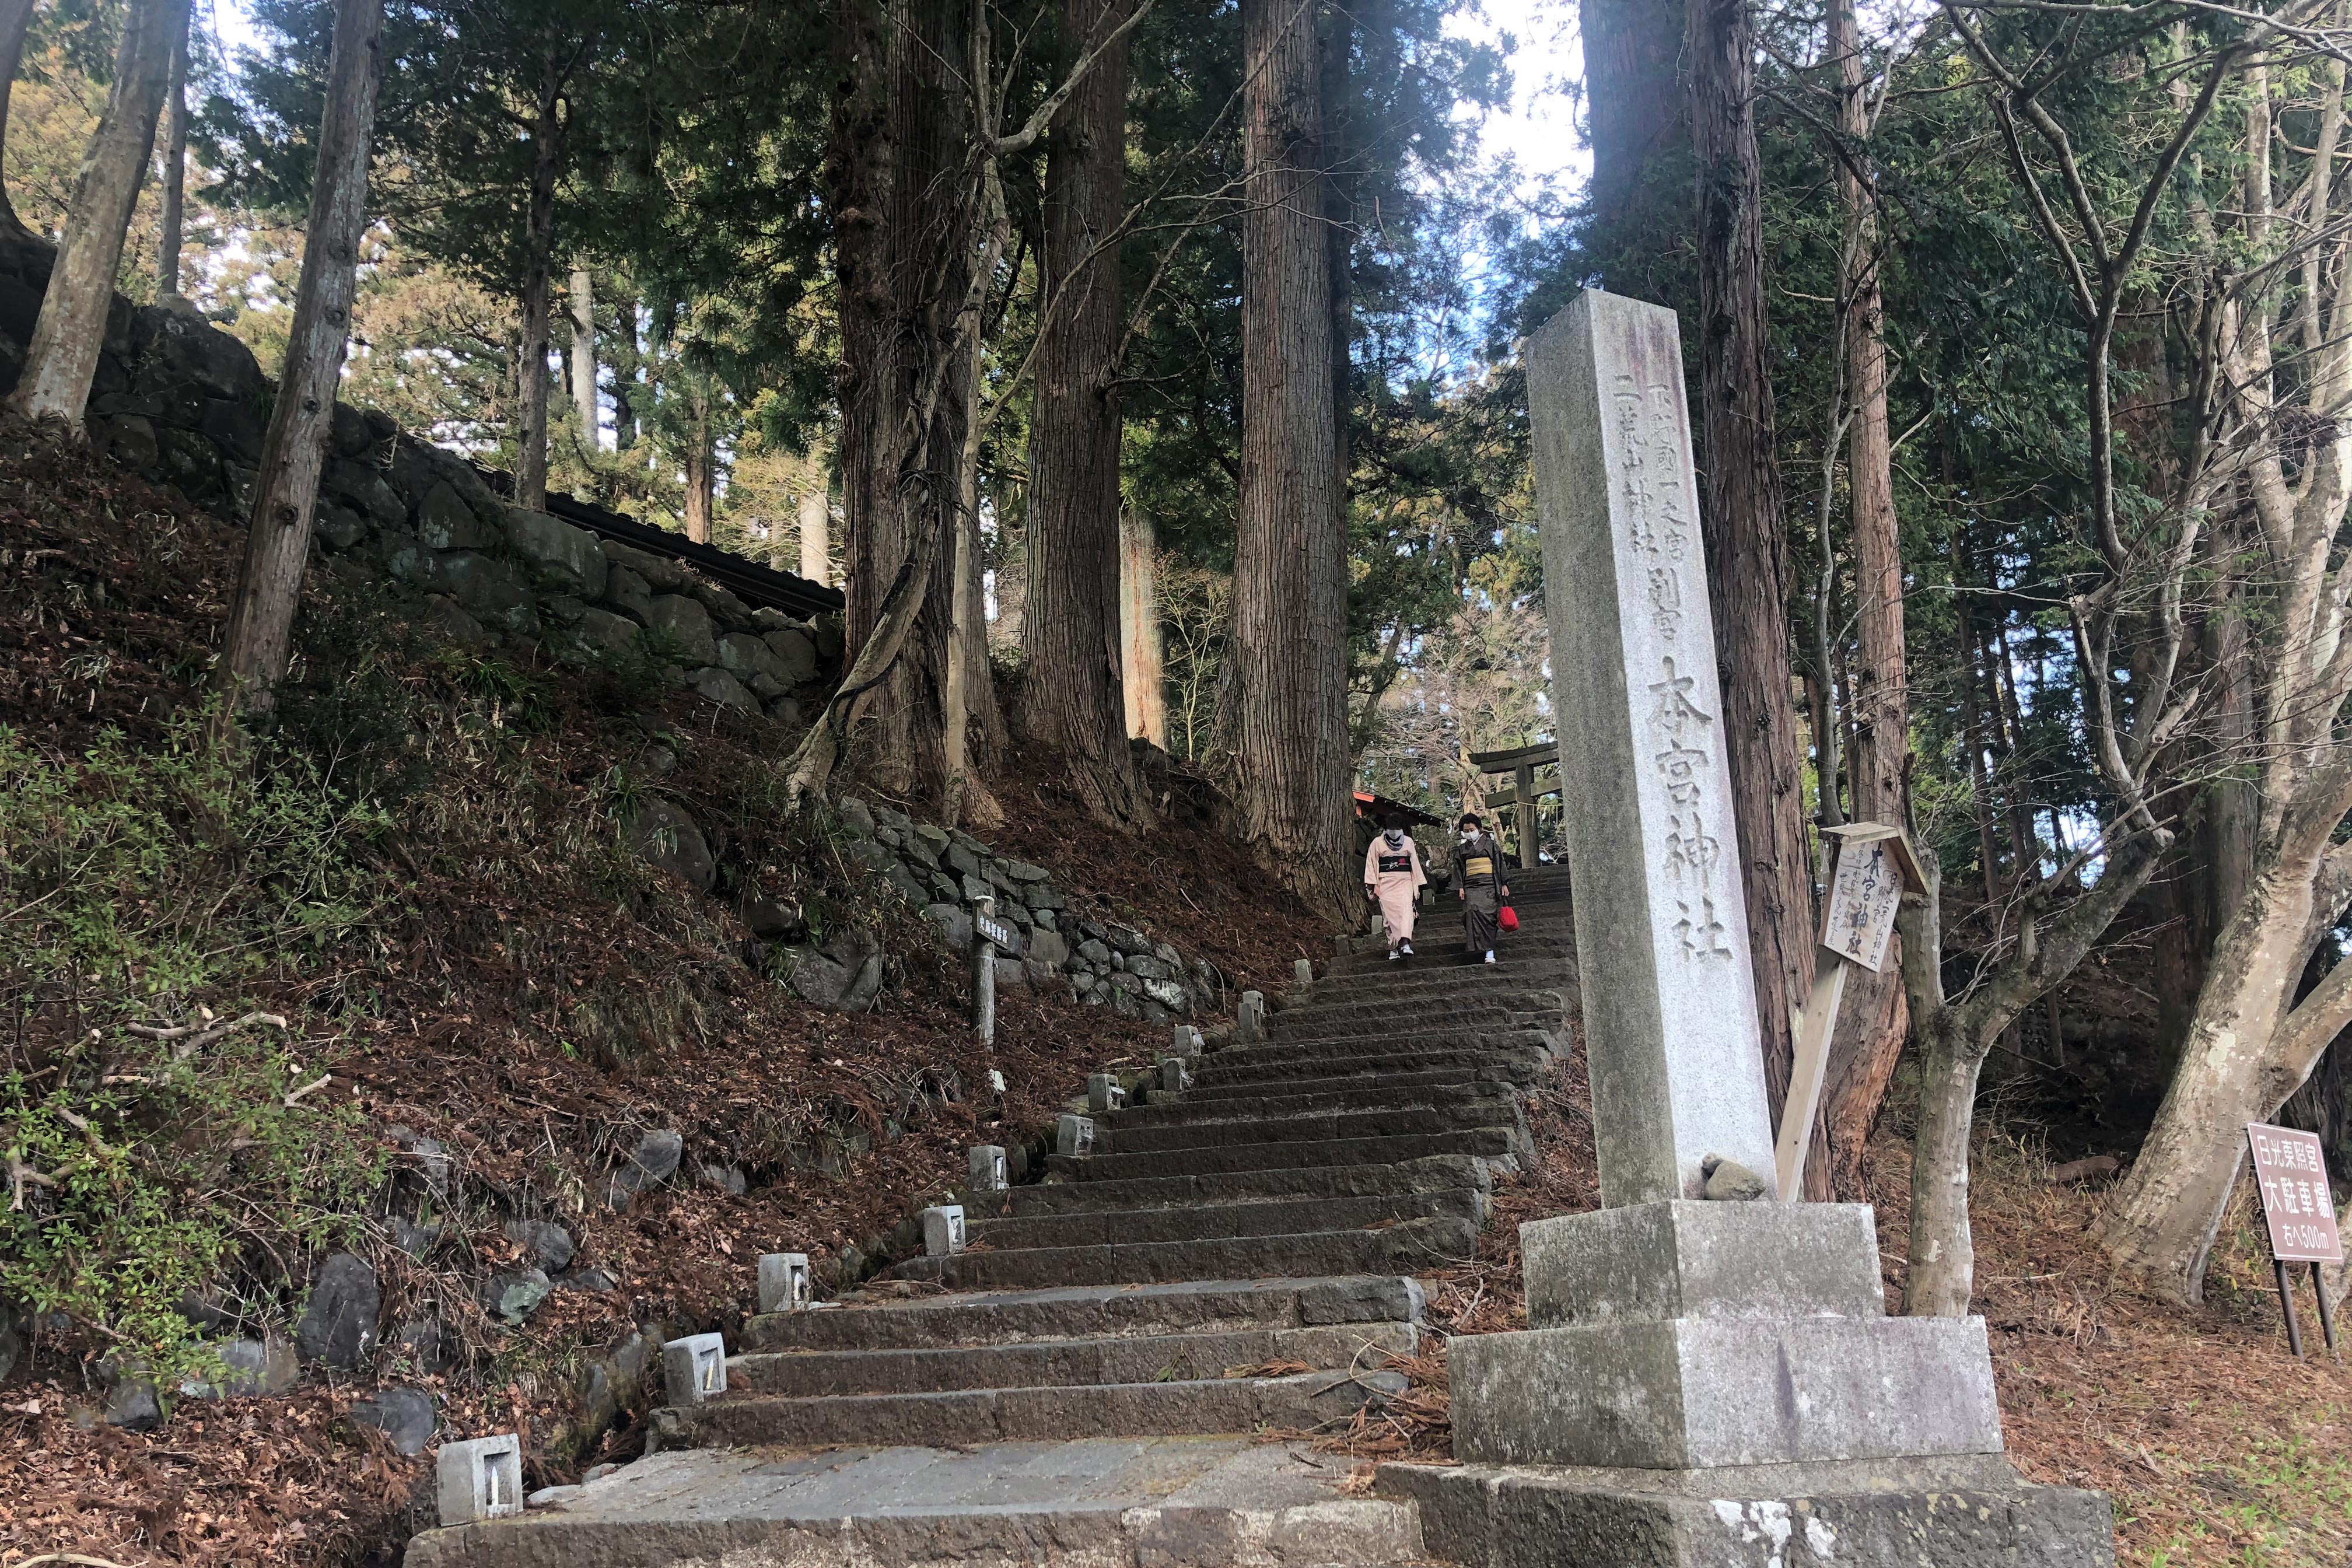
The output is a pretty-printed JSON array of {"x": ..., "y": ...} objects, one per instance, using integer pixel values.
[
  {"x": 1874, "y": 868},
  {"x": 2291, "y": 1173},
  {"x": 997, "y": 932}
]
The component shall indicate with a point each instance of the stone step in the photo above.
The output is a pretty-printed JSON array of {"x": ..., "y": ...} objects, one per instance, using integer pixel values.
[
  {"x": 1300, "y": 1402},
  {"x": 1515, "y": 1052},
  {"x": 1234, "y": 1219},
  {"x": 1442, "y": 1172},
  {"x": 1450, "y": 971},
  {"x": 1533, "y": 1039},
  {"x": 1407, "y": 1246},
  {"x": 873, "y": 1321},
  {"x": 1375, "y": 1018},
  {"x": 1493, "y": 1142},
  {"x": 1063, "y": 1364},
  {"x": 1465, "y": 1076},
  {"x": 1371, "y": 1041},
  {"x": 1374, "y": 1093},
  {"x": 1166, "y": 1502},
  {"x": 1395, "y": 1121}
]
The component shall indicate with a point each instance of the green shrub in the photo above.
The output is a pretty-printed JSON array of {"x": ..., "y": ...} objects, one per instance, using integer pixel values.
[{"x": 134, "y": 886}]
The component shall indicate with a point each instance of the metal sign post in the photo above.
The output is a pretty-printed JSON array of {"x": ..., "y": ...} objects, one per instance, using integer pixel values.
[
  {"x": 2299, "y": 1207},
  {"x": 1874, "y": 868}
]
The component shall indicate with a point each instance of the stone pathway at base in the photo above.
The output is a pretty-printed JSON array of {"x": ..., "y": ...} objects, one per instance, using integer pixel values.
[{"x": 1089, "y": 1389}]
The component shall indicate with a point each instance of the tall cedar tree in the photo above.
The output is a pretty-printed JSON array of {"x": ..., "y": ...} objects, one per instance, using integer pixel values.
[
  {"x": 63, "y": 356},
  {"x": 1869, "y": 1038},
  {"x": 1072, "y": 698},
  {"x": 1747, "y": 553},
  {"x": 277, "y": 536},
  {"x": 1286, "y": 671},
  {"x": 896, "y": 193}
]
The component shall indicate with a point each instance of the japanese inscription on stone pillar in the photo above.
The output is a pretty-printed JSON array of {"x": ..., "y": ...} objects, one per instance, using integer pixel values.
[{"x": 1662, "y": 927}]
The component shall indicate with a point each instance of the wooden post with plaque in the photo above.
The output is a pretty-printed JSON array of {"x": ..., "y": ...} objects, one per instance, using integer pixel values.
[
  {"x": 1874, "y": 868},
  {"x": 2299, "y": 1207}
]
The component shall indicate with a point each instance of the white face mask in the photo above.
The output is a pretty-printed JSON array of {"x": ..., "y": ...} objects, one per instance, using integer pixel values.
[{"x": 1468, "y": 833}]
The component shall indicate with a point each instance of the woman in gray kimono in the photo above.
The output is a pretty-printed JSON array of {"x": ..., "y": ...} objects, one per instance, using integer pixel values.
[{"x": 1478, "y": 883}]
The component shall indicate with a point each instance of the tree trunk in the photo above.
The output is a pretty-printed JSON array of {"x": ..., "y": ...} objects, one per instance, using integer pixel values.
[
  {"x": 256, "y": 644},
  {"x": 1285, "y": 664},
  {"x": 1869, "y": 1039},
  {"x": 901, "y": 227},
  {"x": 1072, "y": 700},
  {"x": 1747, "y": 553},
  {"x": 2238, "y": 1064},
  {"x": 1955, "y": 1038},
  {"x": 538, "y": 287},
  {"x": 175, "y": 173},
  {"x": 625, "y": 373},
  {"x": 582, "y": 299},
  {"x": 701, "y": 482},
  {"x": 816, "y": 563},
  {"x": 72, "y": 328},
  {"x": 1634, "y": 105},
  {"x": 15, "y": 21}
]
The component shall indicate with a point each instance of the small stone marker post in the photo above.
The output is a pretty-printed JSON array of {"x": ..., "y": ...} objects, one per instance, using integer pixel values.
[
  {"x": 479, "y": 1479},
  {"x": 1105, "y": 1092},
  {"x": 1175, "y": 1075},
  {"x": 1187, "y": 1040},
  {"x": 1875, "y": 870},
  {"x": 943, "y": 1230},
  {"x": 785, "y": 1283},
  {"x": 1074, "y": 1135},
  {"x": 987, "y": 1168},
  {"x": 1249, "y": 1020},
  {"x": 983, "y": 969},
  {"x": 1738, "y": 1351},
  {"x": 694, "y": 1368}
]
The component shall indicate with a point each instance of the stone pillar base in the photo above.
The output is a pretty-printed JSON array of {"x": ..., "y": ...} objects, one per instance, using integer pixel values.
[{"x": 1970, "y": 1512}]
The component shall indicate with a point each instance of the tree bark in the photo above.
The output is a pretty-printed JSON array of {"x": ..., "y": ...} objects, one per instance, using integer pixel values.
[
  {"x": 1634, "y": 106},
  {"x": 538, "y": 288},
  {"x": 1072, "y": 698},
  {"x": 15, "y": 21},
  {"x": 582, "y": 296},
  {"x": 700, "y": 479},
  {"x": 1747, "y": 553},
  {"x": 817, "y": 562},
  {"x": 625, "y": 373},
  {"x": 1286, "y": 667},
  {"x": 63, "y": 356},
  {"x": 2247, "y": 1049},
  {"x": 1869, "y": 1039},
  {"x": 175, "y": 173},
  {"x": 258, "y": 641},
  {"x": 901, "y": 225}
]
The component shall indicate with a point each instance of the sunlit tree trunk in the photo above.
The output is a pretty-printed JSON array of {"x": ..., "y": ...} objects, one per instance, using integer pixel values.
[
  {"x": 701, "y": 479},
  {"x": 256, "y": 646},
  {"x": 1285, "y": 664},
  {"x": 63, "y": 356},
  {"x": 582, "y": 296},
  {"x": 175, "y": 173},
  {"x": 538, "y": 290}
]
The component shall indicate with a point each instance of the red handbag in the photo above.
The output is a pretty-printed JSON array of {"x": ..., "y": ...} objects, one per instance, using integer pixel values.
[{"x": 1508, "y": 918}]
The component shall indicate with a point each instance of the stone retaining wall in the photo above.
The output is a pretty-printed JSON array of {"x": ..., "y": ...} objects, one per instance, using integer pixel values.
[{"x": 179, "y": 401}]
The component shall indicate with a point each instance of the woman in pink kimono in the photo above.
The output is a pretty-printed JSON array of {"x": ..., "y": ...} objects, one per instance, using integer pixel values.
[{"x": 1392, "y": 880}]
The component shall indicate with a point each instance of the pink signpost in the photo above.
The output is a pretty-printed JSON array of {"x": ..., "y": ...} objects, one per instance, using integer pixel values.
[{"x": 2291, "y": 1170}]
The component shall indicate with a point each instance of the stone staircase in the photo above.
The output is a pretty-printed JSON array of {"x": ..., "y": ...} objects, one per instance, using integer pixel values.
[{"x": 1090, "y": 1382}]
